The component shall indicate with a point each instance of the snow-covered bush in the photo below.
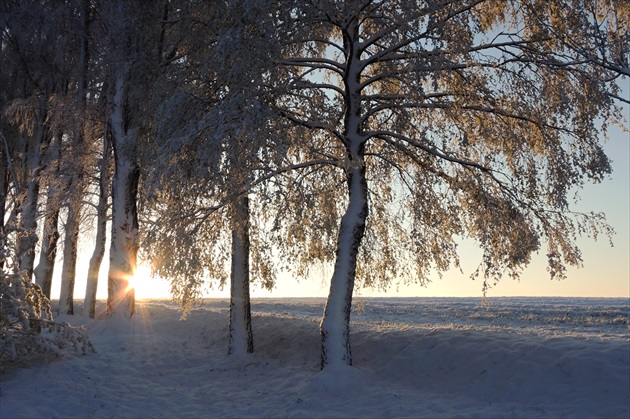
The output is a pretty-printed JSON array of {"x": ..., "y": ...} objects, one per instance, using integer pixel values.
[{"x": 27, "y": 328}]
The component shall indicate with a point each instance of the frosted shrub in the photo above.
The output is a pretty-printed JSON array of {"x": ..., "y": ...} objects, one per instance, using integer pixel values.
[{"x": 26, "y": 326}]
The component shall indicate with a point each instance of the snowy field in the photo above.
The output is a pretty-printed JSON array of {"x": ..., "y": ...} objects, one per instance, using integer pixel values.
[{"x": 424, "y": 357}]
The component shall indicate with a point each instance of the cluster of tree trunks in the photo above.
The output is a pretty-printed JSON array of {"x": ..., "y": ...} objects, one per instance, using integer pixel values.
[{"x": 238, "y": 122}]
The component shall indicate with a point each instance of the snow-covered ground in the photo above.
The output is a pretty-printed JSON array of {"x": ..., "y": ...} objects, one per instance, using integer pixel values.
[{"x": 516, "y": 357}]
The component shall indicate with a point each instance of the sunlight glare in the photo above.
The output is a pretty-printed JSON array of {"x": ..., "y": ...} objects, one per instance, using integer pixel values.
[{"x": 147, "y": 286}]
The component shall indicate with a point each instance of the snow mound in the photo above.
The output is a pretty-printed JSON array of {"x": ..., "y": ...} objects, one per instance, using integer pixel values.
[{"x": 339, "y": 380}]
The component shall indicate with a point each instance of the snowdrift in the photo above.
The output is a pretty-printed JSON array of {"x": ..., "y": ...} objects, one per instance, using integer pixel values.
[{"x": 412, "y": 358}]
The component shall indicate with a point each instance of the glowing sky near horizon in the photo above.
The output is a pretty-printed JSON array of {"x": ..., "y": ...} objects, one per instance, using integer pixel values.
[{"x": 606, "y": 271}]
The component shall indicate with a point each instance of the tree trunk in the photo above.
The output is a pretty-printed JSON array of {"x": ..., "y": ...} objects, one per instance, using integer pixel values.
[
  {"x": 124, "y": 240},
  {"x": 241, "y": 340},
  {"x": 89, "y": 305},
  {"x": 27, "y": 238},
  {"x": 69, "y": 266},
  {"x": 124, "y": 236},
  {"x": 48, "y": 253},
  {"x": 4, "y": 187},
  {"x": 76, "y": 183},
  {"x": 335, "y": 325}
]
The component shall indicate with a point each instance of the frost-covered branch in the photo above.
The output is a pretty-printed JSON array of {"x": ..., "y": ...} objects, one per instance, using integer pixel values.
[
  {"x": 27, "y": 329},
  {"x": 317, "y": 63}
]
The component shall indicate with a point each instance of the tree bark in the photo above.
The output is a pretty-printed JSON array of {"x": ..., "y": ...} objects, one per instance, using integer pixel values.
[
  {"x": 50, "y": 236},
  {"x": 70, "y": 250},
  {"x": 124, "y": 239},
  {"x": 48, "y": 253},
  {"x": 241, "y": 340},
  {"x": 335, "y": 325},
  {"x": 77, "y": 186},
  {"x": 4, "y": 188},
  {"x": 124, "y": 236},
  {"x": 89, "y": 305},
  {"x": 27, "y": 238}
]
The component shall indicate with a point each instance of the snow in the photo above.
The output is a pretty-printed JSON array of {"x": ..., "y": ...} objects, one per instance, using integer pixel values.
[
  {"x": 413, "y": 357},
  {"x": 334, "y": 327}
]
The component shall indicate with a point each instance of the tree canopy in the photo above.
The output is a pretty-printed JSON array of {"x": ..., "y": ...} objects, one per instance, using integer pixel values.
[{"x": 279, "y": 134}]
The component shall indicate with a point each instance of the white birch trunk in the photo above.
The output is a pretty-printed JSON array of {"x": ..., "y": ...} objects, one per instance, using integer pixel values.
[
  {"x": 77, "y": 186},
  {"x": 89, "y": 305},
  {"x": 68, "y": 269},
  {"x": 28, "y": 236},
  {"x": 48, "y": 253},
  {"x": 27, "y": 240},
  {"x": 124, "y": 235},
  {"x": 335, "y": 325},
  {"x": 241, "y": 341}
]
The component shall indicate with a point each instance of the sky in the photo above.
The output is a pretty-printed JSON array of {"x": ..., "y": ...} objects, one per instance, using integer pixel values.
[{"x": 605, "y": 271}]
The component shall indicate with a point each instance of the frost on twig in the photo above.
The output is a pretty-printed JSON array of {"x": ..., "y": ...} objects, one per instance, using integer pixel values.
[{"x": 27, "y": 331}]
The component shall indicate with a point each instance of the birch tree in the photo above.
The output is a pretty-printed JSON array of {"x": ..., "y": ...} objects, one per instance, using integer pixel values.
[
  {"x": 50, "y": 64},
  {"x": 32, "y": 48},
  {"x": 133, "y": 36},
  {"x": 597, "y": 32},
  {"x": 203, "y": 192},
  {"x": 446, "y": 119},
  {"x": 124, "y": 233},
  {"x": 89, "y": 304},
  {"x": 50, "y": 235},
  {"x": 76, "y": 157}
]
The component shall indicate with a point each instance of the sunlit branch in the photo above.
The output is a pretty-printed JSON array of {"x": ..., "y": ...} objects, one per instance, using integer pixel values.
[
  {"x": 413, "y": 39},
  {"x": 417, "y": 70},
  {"x": 407, "y": 105},
  {"x": 376, "y": 37},
  {"x": 308, "y": 85},
  {"x": 409, "y": 154},
  {"x": 414, "y": 55},
  {"x": 207, "y": 210},
  {"x": 510, "y": 115},
  {"x": 620, "y": 68},
  {"x": 505, "y": 188},
  {"x": 402, "y": 173},
  {"x": 322, "y": 63},
  {"x": 311, "y": 124},
  {"x": 383, "y": 135},
  {"x": 317, "y": 40},
  {"x": 619, "y": 98}
]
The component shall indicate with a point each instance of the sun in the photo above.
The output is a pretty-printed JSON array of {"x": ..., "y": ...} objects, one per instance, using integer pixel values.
[
  {"x": 145, "y": 285},
  {"x": 139, "y": 277}
]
